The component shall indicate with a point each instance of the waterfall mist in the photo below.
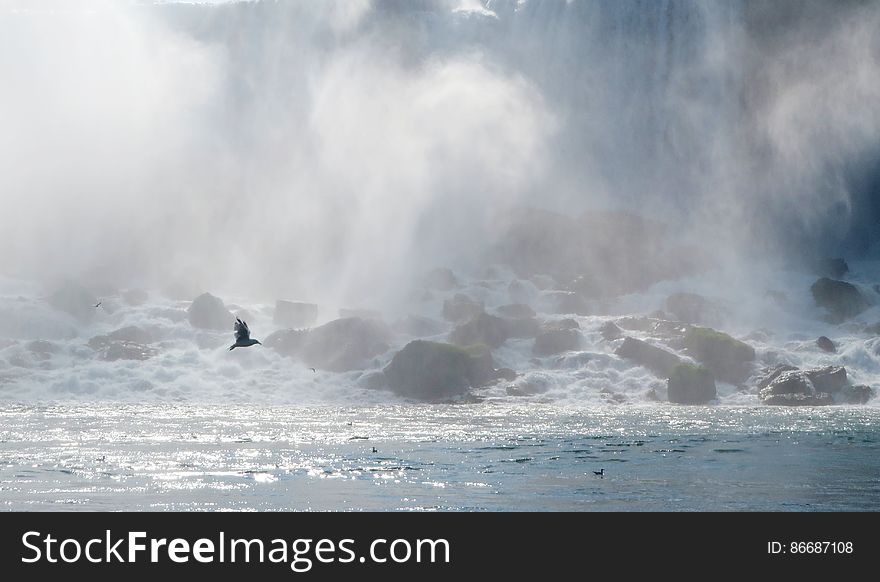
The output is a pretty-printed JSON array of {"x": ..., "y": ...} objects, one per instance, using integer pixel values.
[{"x": 340, "y": 149}]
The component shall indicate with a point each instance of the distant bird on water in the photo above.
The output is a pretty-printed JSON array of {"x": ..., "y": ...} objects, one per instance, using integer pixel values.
[
  {"x": 375, "y": 450},
  {"x": 242, "y": 336},
  {"x": 600, "y": 472}
]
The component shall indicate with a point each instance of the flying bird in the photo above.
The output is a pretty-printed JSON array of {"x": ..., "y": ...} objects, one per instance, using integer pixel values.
[
  {"x": 242, "y": 336},
  {"x": 313, "y": 370},
  {"x": 98, "y": 304}
]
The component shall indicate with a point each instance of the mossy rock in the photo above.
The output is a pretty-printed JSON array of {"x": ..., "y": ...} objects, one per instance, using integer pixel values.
[
  {"x": 727, "y": 357},
  {"x": 432, "y": 371},
  {"x": 690, "y": 384}
]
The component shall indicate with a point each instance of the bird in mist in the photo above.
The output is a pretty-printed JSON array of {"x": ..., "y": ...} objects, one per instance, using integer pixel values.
[
  {"x": 600, "y": 472},
  {"x": 242, "y": 336},
  {"x": 313, "y": 370},
  {"x": 98, "y": 304}
]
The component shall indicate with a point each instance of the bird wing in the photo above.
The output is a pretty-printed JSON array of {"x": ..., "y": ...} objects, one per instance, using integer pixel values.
[{"x": 242, "y": 333}]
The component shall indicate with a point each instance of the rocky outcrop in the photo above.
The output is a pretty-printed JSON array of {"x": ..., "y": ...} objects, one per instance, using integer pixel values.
[
  {"x": 840, "y": 299},
  {"x": 658, "y": 360},
  {"x": 432, "y": 371},
  {"x": 461, "y": 308},
  {"x": 814, "y": 387},
  {"x": 556, "y": 341},
  {"x": 690, "y": 384},
  {"x": 209, "y": 312},
  {"x": 338, "y": 346},
  {"x": 610, "y": 331},
  {"x": 728, "y": 358},
  {"x": 826, "y": 345},
  {"x": 482, "y": 329},
  {"x": 293, "y": 315}
]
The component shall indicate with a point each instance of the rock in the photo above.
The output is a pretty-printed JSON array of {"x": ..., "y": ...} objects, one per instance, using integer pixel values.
[
  {"x": 829, "y": 379},
  {"x": 610, "y": 331},
  {"x": 840, "y": 299},
  {"x": 655, "y": 359},
  {"x": 516, "y": 311},
  {"x": 561, "y": 324},
  {"x": 360, "y": 313},
  {"x": 373, "y": 380},
  {"x": 799, "y": 400},
  {"x": 294, "y": 315},
  {"x": 826, "y": 345},
  {"x": 75, "y": 300},
  {"x": 855, "y": 394},
  {"x": 556, "y": 341},
  {"x": 131, "y": 334},
  {"x": 345, "y": 344},
  {"x": 441, "y": 280},
  {"x": 566, "y": 302},
  {"x": 768, "y": 375},
  {"x": 689, "y": 384},
  {"x": 692, "y": 308},
  {"x": 461, "y": 308},
  {"x": 43, "y": 348},
  {"x": 341, "y": 345},
  {"x": 728, "y": 358},
  {"x": 125, "y": 350},
  {"x": 208, "y": 312},
  {"x": 482, "y": 329},
  {"x": 434, "y": 371},
  {"x": 789, "y": 382},
  {"x": 287, "y": 342},
  {"x": 417, "y": 326},
  {"x": 135, "y": 297},
  {"x": 522, "y": 292},
  {"x": 833, "y": 268}
]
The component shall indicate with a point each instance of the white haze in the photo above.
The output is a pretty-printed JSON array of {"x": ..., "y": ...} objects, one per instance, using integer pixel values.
[{"x": 339, "y": 149}]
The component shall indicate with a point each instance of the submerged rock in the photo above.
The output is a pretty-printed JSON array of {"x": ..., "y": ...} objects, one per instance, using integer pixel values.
[
  {"x": 209, "y": 312},
  {"x": 556, "y": 341},
  {"x": 840, "y": 299},
  {"x": 728, "y": 358},
  {"x": 826, "y": 345},
  {"x": 433, "y": 371},
  {"x": 292, "y": 314},
  {"x": 461, "y": 308},
  {"x": 690, "y": 384},
  {"x": 658, "y": 360}
]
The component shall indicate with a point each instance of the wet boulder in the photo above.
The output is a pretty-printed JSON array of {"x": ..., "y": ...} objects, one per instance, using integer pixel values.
[
  {"x": 840, "y": 299},
  {"x": 690, "y": 384},
  {"x": 815, "y": 387},
  {"x": 768, "y": 375},
  {"x": 293, "y": 315},
  {"x": 829, "y": 379},
  {"x": 432, "y": 371},
  {"x": 855, "y": 394},
  {"x": 556, "y": 341},
  {"x": 482, "y": 329},
  {"x": 209, "y": 312},
  {"x": 461, "y": 308},
  {"x": 345, "y": 344},
  {"x": 826, "y": 345},
  {"x": 287, "y": 342},
  {"x": 820, "y": 399},
  {"x": 728, "y": 358},
  {"x": 610, "y": 331},
  {"x": 834, "y": 268},
  {"x": 656, "y": 359}
]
